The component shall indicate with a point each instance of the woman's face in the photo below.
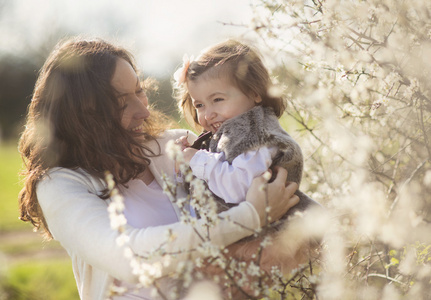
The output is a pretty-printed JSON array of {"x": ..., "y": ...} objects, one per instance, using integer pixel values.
[{"x": 132, "y": 97}]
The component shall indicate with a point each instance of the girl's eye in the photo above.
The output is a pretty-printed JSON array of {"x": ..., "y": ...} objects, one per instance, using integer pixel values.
[
  {"x": 198, "y": 105},
  {"x": 140, "y": 91}
]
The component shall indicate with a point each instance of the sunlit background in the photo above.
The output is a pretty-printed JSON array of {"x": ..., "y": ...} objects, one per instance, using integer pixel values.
[{"x": 158, "y": 32}]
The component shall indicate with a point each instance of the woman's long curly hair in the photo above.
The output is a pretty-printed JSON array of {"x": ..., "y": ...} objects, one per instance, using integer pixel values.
[{"x": 74, "y": 121}]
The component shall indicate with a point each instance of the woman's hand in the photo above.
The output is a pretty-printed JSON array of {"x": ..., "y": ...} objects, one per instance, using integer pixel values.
[{"x": 276, "y": 195}]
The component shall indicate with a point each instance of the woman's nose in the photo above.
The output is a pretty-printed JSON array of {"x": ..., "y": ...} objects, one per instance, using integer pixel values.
[
  {"x": 141, "y": 111},
  {"x": 143, "y": 114}
]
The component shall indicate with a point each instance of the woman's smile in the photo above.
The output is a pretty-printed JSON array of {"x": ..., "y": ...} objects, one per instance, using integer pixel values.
[
  {"x": 138, "y": 128},
  {"x": 131, "y": 95}
]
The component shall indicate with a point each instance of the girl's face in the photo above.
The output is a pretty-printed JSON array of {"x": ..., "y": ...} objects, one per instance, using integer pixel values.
[
  {"x": 131, "y": 96},
  {"x": 217, "y": 100}
]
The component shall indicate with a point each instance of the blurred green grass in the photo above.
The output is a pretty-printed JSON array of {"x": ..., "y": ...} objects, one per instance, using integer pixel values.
[
  {"x": 44, "y": 280},
  {"x": 30, "y": 269},
  {"x": 10, "y": 186}
]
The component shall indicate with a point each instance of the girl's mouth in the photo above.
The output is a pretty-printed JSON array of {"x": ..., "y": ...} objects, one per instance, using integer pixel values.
[{"x": 216, "y": 126}]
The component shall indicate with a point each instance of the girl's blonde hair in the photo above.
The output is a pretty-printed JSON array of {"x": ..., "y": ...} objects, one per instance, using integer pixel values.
[
  {"x": 242, "y": 64},
  {"x": 74, "y": 121}
]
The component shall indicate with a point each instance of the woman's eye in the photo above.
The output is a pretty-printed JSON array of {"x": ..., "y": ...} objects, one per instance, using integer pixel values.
[
  {"x": 218, "y": 99},
  {"x": 140, "y": 91},
  {"x": 123, "y": 106},
  {"x": 122, "y": 103}
]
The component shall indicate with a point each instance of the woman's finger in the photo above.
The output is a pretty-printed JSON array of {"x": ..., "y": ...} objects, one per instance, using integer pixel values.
[
  {"x": 291, "y": 187},
  {"x": 293, "y": 200},
  {"x": 277, "y": 195},
  {"x": 280, "y": 175}
]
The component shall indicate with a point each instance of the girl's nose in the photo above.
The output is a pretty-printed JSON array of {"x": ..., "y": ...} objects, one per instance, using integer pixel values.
[{"x": 209, "y": 114}]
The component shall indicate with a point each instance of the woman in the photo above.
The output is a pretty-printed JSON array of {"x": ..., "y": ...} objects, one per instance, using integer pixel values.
[{"x": 89, "y": 114}]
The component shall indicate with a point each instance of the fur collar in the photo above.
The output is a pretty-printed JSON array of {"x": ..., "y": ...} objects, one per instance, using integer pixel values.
[{"x": 256, "y": 128}]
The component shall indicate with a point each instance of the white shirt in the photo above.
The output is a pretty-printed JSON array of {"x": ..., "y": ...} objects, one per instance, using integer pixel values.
[
  {"x": 231, "y": 181},
  {"x": 147, "y": 205},
  {"x": 79, "y": 220}
]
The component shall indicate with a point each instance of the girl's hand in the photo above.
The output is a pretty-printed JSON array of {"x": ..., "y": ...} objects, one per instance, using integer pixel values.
[
  {"x": 183, "y": 142},
  {"x": 277, "y": 195},
  {"x": 188, "y": 154}
]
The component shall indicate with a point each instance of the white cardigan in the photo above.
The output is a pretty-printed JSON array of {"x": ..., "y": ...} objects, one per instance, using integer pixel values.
[{"x": 79, "y": 220}]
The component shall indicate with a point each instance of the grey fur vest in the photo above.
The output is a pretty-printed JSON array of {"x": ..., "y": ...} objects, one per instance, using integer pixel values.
[{"x": 256, "y": 128}]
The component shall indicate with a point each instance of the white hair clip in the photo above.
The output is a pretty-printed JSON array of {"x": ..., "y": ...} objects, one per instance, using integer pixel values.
[{"x": 180, "y": 75}]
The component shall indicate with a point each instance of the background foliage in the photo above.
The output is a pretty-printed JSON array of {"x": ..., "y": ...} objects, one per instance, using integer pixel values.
[{"x": 356, "y": 77}]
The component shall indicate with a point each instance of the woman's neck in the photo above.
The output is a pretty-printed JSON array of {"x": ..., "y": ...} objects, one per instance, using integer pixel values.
[{"x": 147, "y": 177}]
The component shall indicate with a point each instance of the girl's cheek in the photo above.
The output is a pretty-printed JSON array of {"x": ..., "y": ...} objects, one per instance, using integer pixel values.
[{"x": 200, "y": 119}]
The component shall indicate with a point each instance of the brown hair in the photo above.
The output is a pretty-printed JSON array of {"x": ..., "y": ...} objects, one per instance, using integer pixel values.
[
  {"x": 74, "y": 121},
  {"x": 242, "y": 64}
]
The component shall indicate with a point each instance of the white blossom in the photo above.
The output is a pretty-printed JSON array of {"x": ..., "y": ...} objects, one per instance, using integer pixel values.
[{"x": 356, "y": 77}]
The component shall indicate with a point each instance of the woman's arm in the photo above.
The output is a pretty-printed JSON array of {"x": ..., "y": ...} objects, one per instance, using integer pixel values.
[{"x": 79, "y": 220}]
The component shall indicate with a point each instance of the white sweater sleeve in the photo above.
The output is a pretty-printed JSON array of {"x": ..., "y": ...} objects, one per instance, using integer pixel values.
[
  {"x": 231, "y": 181},
  {"x": 79, "y": 220}
]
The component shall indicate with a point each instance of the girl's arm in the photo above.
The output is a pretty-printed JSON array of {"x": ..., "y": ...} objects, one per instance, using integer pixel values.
[{"x": 230, "y": 181}]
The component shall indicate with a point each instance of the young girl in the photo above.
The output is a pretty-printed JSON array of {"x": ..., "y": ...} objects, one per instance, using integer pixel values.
[{"x": 225, "y": 92}]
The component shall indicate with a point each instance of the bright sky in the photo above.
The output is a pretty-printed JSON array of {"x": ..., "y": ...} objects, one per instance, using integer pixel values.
[{"x": 158, "y": 32}]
